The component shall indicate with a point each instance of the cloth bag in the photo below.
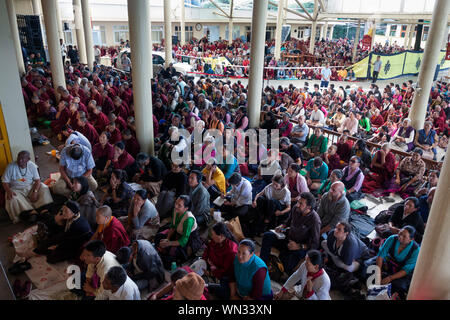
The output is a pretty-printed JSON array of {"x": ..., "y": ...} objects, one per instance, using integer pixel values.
[{"x": 234, "y": 225}]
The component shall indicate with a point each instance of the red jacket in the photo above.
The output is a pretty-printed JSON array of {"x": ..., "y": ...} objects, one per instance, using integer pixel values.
[
  {"x": 222, "y": 256},
  {"x": 115, "y": 236}
]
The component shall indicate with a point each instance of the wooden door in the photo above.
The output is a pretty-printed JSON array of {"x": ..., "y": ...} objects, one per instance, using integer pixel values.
[{"x": 5, "y": 151}]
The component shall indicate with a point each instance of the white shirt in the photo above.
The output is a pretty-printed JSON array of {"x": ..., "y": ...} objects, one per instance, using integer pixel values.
[
  {"x": 317, "y": 116},
  {"x": 108, "y": 261},
  {"x": 242, "y": 194},
  {"x": 326, "y": 74},
  {"x": 18, "y": 178},
  {"x": 321, "y": 285},
  {"x": 128, "y": 291}
]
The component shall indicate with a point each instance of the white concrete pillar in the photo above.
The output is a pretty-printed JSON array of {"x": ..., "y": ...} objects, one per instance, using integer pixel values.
[
  {"x": 408, "y": 31},
  {"x": 255, "y": 81},
  {"x": 278, "y": 30},
  {"x": 15, "y": 35},
  {"x": 141, "y": 45},
  {"x": 431, "y": 277},
  {"x": 230, "y": 31},
  {"x": 322, "y": 32},
  {"x": 312, "y": 35},
  {"x": 331, "y": 32},
  {"x": 355, "y": 45},
  {"x": 168, "y": 31},
  {"x": 81, "y": 42},
  {"x": 60, "y": 23},
  {"x": 374, "y": 34},
  {"x": 411, "y": 36},
  {"x": 182, "y": 23},
  {"x": 11, "y": 99},
  {"x": 326, "y": 30},
  {"x": 54, "y": 48},
  {"x": 429, "y": 62},
  {"x": 87, "y": 28}
]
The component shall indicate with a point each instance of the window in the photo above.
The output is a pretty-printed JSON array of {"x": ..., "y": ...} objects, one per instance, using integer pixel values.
[
  {"x": 236, "y": 32},
  {"x": 403, "y": 33},
  {"x": 99, "y": 35},
  {"x": 393, "y": 30},
  {"x": 157, "y": 34},
  {"x": 121, "y": 34},
  {"x": 188, "y": 33},
  {"x": 381, "y": 29},
  {"x": 68, "y": 37}
]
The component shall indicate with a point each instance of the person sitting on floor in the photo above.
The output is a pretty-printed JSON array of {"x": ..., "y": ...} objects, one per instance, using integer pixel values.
[
  {"x": 309, "y": 282},
  {"x": 166, "y": 292},
  {"x": 219, "y": 256},
  {"x": 352, "y": 178},
  {"x": 143, "y": 219},
  {"x": 23, "y": 187},
  {"x": 85, "y": 199},
  {"x": 215, "y": 181},
  {"x": 182, "y": 239},
  {"x": 98, "y": 261},
  {"x": 304, "y": 234},
  {"x": 200, "y": 197},
  {"x": 239, "y": 199},
  {"x": 336, "y": 175},
  {"x": 333, "y": 207},
  {"x": 345, "y": 249},
  {"x": 110, "y": 230},
  {"x": 273, "y": 203},
  {"x": 189, "y": 287},
  {"x": 396, "y": 260},
  {"x": 143, "y": 264},
  {"x": 103, "y": 154},
  {"x": 251, "y": 279},
  {"x": 75, "y": 232},
  {"x": 76, "y": 160},
  {"x": 118, "y": 195},
  {"x": 295, "y": 181},
  {"x": 316, "y": 173},
  {"x": 122, "y": 159},
  {"x": 317, "y": 144},
  {"x": 407, "y": 214},
  {"x": 118, "y": 286}
]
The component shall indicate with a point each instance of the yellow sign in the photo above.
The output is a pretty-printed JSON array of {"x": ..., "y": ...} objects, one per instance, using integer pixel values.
[{"x": 395, "y": 65}]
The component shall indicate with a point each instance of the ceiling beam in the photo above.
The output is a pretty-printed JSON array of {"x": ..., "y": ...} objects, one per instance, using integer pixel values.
[
  {"x": 231, "y": 9},
  {"x": 290, "y": 10},
  {"x": 301, "y": 6},
  {"x": 221, "y": 14},
  {"x": 226, "y": 14}
]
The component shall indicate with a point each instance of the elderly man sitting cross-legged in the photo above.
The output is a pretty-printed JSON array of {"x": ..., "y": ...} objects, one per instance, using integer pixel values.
[{"x": 23, "y": 187}]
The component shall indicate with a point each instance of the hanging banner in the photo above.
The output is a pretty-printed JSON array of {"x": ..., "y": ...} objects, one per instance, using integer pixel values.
[
  {"x": 396, "y": 65},
  {"x": 447, "y": 54}
]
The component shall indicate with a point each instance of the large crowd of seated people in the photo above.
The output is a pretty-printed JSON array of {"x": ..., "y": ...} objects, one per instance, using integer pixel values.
[{"x": 297, "y": 199}]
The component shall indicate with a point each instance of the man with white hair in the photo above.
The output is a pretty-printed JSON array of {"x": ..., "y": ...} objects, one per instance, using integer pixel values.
[
  {"x": 300, "y": 132},
  {"x": 23, "y": 187},
  {"x": 334, "y": 207}
]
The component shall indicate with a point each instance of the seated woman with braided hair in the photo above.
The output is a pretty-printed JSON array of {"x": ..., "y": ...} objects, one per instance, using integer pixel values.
[
  {"x": 181, "y": 240},
  {"x": 396, "y": 260}
]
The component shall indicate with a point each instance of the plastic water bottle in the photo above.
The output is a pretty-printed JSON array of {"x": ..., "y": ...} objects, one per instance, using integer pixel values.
[{"x": 174, "y": 266}]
